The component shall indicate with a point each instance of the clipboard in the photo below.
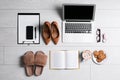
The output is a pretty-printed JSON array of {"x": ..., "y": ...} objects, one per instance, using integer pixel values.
[{"x": 23, "y": 21}]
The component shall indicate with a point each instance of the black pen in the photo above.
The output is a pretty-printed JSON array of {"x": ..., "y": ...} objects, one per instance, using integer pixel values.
[{"x": 35, "y": 32}]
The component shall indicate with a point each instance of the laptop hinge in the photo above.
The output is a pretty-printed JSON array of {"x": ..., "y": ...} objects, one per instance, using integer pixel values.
[{"x": 76, "y": 21}]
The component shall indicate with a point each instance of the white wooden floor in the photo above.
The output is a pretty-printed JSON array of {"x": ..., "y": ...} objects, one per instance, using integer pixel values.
[{"x": 107, "y": 18}]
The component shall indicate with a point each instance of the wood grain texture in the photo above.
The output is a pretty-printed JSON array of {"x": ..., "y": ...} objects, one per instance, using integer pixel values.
[
  {"x": 109, "y": 72},
  {"x": 1, "y": 55},
  {"x": 16, "y": 72},
  {"x": 107, "y": 18},
  {"x": 26, "y": 4},
  {"x": 8, "y": 35},
  {"x": 52, "y": 4}
]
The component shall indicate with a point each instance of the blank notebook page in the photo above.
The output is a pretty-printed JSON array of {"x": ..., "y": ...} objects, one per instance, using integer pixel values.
[
  {"x": 57, "y": 59},
  {"x": 72, "y": 59}
]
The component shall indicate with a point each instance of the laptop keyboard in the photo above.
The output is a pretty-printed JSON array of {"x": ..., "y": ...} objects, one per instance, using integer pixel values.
[{"x": 77, "y": 28}]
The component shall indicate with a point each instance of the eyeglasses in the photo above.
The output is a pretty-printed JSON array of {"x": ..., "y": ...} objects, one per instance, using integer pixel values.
[
  {"x": 98, "y": 37},
  {"x": 103, "y": 38}
]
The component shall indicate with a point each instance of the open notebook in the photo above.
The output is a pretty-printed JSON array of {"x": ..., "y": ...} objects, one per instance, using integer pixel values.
[{"x": 64, "y": 60}]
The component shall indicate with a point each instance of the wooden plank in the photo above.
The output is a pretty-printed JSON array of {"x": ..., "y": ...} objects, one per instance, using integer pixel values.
[
  {"x": 107, "y": 18},
  {"x": 108, "y": 72},
  {"x": 14, "y": 72},
  {"x": 26, "y": 4},
  {"x": 53, "y": 4},
  {"x": 8, "y": 35},
  {"x": 1, "y": 55}
]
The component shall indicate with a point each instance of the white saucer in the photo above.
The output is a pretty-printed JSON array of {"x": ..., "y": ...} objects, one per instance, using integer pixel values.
[{"x": 99, "y": 63}]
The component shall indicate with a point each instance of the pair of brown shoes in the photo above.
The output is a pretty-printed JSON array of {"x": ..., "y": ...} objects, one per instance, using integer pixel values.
[
  {"x": 50, "y": 31},
  {"x": 34, "y": 63}
]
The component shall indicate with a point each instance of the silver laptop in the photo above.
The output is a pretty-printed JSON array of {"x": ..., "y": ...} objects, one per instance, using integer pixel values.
[{"x": 78, "y": 23}]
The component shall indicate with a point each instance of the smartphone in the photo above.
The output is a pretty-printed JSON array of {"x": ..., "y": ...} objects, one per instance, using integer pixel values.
[{"x": 29, "y": 32}]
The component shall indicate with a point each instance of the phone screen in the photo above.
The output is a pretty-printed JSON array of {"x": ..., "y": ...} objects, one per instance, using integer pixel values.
[{"x": 29, "y": 32}]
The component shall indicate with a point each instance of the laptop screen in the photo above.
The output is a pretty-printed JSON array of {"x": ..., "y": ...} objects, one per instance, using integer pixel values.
[{"x": 78, "y": 12}]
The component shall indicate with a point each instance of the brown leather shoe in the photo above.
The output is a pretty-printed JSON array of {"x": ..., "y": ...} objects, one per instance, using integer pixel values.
[
  {"x": 55, "y": 35},
  {"x": 46, "y": 32}
]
